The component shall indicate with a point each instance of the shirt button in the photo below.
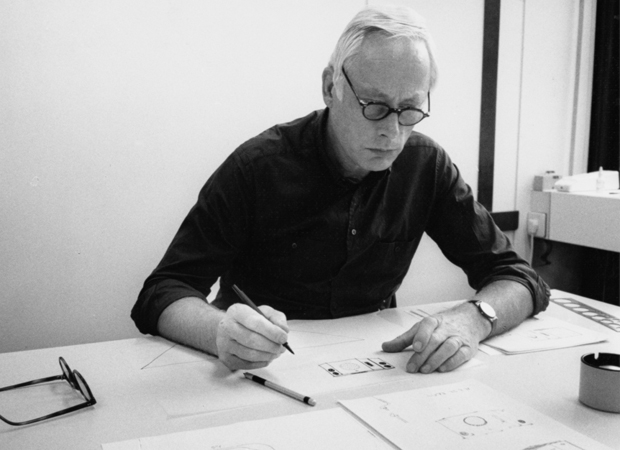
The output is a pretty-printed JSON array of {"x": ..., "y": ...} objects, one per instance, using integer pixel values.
[{"x": 354, "y": 232}]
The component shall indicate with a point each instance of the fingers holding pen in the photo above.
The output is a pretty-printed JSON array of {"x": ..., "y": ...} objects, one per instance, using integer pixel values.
[
  {"x": 275, "y": 317},
  {"x": 247, "y": 340},
  {"x": 257, "y": 332}
]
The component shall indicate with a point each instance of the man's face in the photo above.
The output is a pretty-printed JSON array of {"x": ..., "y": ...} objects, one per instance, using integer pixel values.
[{"x": 392, "y": 71}]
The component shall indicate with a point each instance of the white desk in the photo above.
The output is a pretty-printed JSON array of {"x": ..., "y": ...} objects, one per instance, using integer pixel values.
[{"x": 126, "y": 409}]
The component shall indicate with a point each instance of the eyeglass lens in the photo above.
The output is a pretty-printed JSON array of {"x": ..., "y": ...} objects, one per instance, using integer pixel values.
[
  {"x": 76, "y": 380},
  {"x": 82, "y": 386},
  {"x": 66, "y": 371},
  {"x": 378, "y": 111},
  {"x": 407, "y": 117}
]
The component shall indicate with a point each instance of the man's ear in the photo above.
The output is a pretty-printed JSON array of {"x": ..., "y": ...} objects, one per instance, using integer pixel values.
[{"x": 328, "y": 86}]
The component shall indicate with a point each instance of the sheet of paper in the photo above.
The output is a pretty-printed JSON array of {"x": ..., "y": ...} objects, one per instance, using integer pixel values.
[
  {"x": 332, "y": 428},
  {"x": 185, "y": 381},
  {"x": 152, "y": 351},
  {"x": 330, "y": 355},
  {"x": 543, "y": 333},
  {"x": 465, "y": 415},
  {"x": 535, "y": 334}
]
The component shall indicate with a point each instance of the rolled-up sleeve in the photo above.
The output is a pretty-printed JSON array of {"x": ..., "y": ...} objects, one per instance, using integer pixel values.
[
  {"x": 467, "y": 235},
  {"x": 203, "y": 249}
]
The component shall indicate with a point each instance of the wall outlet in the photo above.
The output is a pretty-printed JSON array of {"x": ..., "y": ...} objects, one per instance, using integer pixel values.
[{"x": 537, "y": 224}]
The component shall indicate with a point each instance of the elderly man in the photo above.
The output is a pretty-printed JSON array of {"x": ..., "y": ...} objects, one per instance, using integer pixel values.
[{"x": 320, "y": 218}]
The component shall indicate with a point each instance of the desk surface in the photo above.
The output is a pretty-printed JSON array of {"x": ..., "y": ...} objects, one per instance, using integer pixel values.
[{"x": 547, "y": 381}]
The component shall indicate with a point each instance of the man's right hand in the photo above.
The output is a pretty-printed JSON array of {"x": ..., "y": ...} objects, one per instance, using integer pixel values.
[{"x": 246, "y": 340}]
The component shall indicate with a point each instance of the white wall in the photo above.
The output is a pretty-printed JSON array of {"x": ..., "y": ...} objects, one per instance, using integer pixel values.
[
  {"x": 544, "y": 91},
  {"x": 114, "y": 113}
]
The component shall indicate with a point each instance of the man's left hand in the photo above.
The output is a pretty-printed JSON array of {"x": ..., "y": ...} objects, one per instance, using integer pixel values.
[{"x": 441, "y": 342}]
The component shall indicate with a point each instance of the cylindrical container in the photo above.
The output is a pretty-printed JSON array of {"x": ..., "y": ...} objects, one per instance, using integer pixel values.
[{"x": 599, "y": 385}]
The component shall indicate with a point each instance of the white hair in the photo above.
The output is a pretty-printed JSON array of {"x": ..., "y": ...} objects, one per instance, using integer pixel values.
[{"x": 391, "y": 21}]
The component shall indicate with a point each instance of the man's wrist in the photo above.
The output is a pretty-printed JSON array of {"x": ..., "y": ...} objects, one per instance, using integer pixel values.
[{"x": 486, "y": 315}]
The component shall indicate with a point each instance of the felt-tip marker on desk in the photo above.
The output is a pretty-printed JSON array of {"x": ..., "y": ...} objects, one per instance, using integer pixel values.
[
  {"x": 302, "y": 398},
  {"x": 251, "y": 304}
]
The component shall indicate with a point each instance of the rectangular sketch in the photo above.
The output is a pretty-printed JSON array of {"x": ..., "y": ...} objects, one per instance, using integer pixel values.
[{"x": 355, "y": 366}]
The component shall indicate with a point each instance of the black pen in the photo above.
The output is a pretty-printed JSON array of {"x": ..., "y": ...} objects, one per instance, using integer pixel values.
[
  {"x": 302, "y": 398},
  {"x": 251, "y": 304}
]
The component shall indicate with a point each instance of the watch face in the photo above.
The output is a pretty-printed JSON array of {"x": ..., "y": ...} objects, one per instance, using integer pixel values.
[{"x": 487, "y": 309}]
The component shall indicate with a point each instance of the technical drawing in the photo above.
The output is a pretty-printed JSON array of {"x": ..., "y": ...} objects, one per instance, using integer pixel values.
[
  {"x": 355, "y": 366},
  {"x": 544, "y": 334},
  {"x": 480, "y": 423}
]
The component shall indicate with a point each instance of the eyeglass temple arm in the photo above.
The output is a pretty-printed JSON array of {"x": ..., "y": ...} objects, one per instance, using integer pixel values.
[
  {"x": 50, "y": 416},
  {"x": 29, "y": 383}
]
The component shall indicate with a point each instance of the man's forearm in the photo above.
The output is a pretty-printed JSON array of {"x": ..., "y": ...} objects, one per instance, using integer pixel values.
[{"x": 192, "y": 322}]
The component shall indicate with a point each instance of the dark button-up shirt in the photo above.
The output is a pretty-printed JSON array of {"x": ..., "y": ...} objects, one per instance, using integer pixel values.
[{"x": 278, "y": 219}]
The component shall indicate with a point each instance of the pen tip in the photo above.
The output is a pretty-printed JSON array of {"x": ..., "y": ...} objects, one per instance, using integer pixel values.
[{"x": 286, "y": 346}]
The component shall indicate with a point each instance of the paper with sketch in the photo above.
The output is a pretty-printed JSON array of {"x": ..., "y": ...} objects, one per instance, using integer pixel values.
[
  {"x": 330, "y": 355},
  {"x": 543, "y": 333},
  {"x": 535, "y": 334},
  {"x": 465, "y": 415},
  {"x": 336, "y": 354},
  {"x": 331, "y": 428}
]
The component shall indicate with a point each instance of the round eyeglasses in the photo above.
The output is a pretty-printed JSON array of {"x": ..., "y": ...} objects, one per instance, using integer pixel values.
[{"x": 377, "y": 111}]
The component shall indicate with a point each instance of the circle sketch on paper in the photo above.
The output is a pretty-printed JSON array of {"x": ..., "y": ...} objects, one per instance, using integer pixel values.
[
  {"x": 480, "y": 423},
  {"x": 475, "y": 421}
]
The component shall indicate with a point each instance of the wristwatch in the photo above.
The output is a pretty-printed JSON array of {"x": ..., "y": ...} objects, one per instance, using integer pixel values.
[{"x": 487, "y": 312}]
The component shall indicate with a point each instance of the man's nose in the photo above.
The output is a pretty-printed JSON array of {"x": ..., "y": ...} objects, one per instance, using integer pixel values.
[{"x": 389, "y": 125}]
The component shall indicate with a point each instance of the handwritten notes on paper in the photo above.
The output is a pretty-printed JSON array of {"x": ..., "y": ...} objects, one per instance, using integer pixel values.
[{"x": 465, "y": 415}]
